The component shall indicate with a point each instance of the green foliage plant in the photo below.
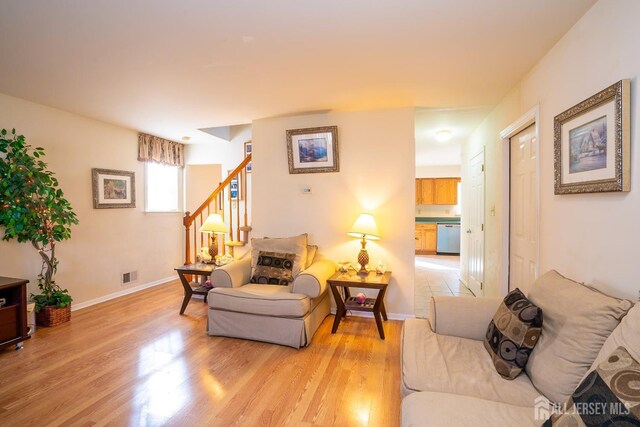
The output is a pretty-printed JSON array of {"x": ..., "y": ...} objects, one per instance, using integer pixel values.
[{"x": 33, "y": 209}]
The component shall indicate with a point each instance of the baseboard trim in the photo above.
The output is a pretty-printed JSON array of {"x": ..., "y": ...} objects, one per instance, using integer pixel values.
[
  {"x": 122, "y": 293},
  {"x": 390, "y": 316}
]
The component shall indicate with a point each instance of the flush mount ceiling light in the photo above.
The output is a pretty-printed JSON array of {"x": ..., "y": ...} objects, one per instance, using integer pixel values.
[{"x": 443, "y": 135}]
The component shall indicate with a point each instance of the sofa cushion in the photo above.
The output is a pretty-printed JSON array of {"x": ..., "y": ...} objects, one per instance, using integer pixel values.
[
  {"x": 273, "y": 268},
  {"x": 448, "y": 364},
  {"x": 577, "y": 321},
  {"x": 295, "y": 245},
  {"x": 513, "y": 333},
  {"x": 268, "y": 300},
  {"x": 312, "y": 250},
  {"x": 608, "y": 396},
  {"x": 626, "y": 335},
  {"x": 443, "y": 409}
]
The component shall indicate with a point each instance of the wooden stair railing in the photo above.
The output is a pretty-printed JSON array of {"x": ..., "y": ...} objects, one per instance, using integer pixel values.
[{"x": 220, "y": 201}]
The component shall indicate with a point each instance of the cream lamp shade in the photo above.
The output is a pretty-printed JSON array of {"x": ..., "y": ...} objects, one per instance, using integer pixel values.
[
  {"x": 365, "y": 227},
  {"x": 214, "y": 224}
]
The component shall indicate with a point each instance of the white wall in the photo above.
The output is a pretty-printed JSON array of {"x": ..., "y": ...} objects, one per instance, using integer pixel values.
[
  {"x": 106, "y": 242},
  {"x": 228, "y": 154},
  {"x": 440, "y": 171},
  {"x": 377, "y": 172},
  {"x": 589, "y": 237}
]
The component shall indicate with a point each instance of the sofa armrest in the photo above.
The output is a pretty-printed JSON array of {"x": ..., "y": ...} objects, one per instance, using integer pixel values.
[
  {"x": 464, "y": 317},
  {"x": 312, "y": 282},
  {"x": 232, "y": 275}
]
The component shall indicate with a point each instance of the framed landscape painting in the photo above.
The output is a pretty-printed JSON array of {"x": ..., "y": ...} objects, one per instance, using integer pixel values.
[
  {"x": 592, "y": 143},
  {"x": 113, "y": 189},
  {"x": 313, "y": 150}
]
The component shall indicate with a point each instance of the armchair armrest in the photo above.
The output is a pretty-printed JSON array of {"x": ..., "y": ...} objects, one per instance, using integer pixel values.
[
  {"x": 464, "y": 317},
  {"x": 232, "y": 275},
  {"x": 312, "y": 282}
]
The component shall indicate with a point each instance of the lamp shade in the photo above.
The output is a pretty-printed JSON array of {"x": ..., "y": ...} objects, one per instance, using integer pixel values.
[
  {"x": 214, "y": 224},
  {"x": 365, "y": 226}
]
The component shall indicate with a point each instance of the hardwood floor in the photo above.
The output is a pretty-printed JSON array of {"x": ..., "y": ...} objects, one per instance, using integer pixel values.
[{"x": 135, "y": 361}]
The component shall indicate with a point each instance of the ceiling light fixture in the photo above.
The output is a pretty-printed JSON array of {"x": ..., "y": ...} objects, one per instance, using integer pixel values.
[
  {"x": 443, "y": 135},
  {"x": 186, "y": 138}
]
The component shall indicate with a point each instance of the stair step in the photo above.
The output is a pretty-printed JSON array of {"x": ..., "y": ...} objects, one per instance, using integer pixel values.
[{"x": 235, "y": 243}]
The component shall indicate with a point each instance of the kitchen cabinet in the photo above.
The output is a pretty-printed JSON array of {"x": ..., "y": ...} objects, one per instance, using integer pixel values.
[
  {"x": 446, "y": 191},
  {"x": 437, "y": 191},
  {"x": 425, "y": 239}
]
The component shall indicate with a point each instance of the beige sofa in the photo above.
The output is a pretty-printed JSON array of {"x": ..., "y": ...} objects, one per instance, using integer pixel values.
[
  {"x": 448, "y": 378},
  {"x": 286, "y": 315}
]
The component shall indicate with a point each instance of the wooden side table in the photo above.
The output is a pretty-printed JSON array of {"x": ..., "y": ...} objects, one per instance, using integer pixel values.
[
  {"x": 13, "y": 312},
  {"x": 199, "y": 269},
  {"x": 372, "y": 305}
]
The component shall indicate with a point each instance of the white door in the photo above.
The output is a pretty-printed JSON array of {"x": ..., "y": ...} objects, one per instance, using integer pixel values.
[
  {"x": 523, "y": 216},
  {"x": 475, "y": 230}
]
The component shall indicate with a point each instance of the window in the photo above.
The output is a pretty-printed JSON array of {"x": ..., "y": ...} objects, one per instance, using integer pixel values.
[{"x": 162, "y": 183}]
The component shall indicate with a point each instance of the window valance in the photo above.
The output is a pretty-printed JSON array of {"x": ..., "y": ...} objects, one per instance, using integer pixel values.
[{"x": 155, "y": 149}]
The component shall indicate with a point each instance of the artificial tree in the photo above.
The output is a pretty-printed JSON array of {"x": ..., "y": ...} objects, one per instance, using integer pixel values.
[{"x": 33, "y": 209}]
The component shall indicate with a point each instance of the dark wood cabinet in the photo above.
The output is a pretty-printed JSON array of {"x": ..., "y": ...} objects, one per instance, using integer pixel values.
[{"x": 13, "y": 313}]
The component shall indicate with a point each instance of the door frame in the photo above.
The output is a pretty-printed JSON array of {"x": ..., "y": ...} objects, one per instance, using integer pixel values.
[{"x": 527, "y": 119}]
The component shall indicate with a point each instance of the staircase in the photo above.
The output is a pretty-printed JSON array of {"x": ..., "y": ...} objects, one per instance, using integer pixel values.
[{"x": 231, "y": 201}]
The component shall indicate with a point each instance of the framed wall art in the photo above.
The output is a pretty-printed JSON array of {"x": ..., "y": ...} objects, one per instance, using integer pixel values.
[
  {"x": 313, "y": 150},
  {"x": 592, "y": 142},
  {"x": 247, "y": 152},
  {"x": 113, "y": 189}
]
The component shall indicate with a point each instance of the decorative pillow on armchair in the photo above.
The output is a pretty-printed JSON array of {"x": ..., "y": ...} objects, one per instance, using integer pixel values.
[
  {"x": 513, "y": 333},
  {"x": 273, "y": 268},
  {"x": 608, "y": 396}
]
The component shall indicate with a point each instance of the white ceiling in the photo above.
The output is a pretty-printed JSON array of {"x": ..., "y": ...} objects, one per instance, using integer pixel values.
[
  {"x": 460, "y": 122},
  {"x": 170, "y": 67}
]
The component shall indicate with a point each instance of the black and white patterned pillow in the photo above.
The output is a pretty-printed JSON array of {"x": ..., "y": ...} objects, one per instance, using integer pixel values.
[
  {"x": 608, "y": 396},
  {"x": 512, "y": 334},
  {"x": 273, "y": 268}
]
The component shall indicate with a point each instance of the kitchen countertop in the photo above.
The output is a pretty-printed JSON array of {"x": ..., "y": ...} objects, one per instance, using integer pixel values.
[{"x": 438, "y": 219}]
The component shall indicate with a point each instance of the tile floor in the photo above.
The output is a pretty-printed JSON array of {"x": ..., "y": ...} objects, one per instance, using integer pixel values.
[{"x": 436, "y": 275}]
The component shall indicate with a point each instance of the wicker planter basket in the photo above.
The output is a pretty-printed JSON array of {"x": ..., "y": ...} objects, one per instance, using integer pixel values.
[{"x": 52, "y": 316}]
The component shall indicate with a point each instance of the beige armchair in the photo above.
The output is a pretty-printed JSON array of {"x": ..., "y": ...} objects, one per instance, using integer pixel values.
[{"x": 286, "y": 315}]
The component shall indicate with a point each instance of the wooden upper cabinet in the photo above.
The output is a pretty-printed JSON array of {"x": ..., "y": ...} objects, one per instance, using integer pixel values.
[
  {"x": 446, "y": 191},
  {"x": 426, "y": 191},
  {"x": 437, "y": 191}
]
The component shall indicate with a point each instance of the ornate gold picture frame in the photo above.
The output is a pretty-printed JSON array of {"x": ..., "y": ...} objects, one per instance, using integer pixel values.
[
  {"x": 592, "y": 142},
  {"x": 313, "y": 150}
]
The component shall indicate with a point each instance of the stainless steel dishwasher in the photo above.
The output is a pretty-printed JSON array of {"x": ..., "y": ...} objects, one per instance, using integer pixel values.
[{"x": 448, "y": 239}]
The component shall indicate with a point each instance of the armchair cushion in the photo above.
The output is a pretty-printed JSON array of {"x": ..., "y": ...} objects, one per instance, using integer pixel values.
[
  {"x": 232, "y": 275},
  {"x": 296, "y": 245},
  {"x": 464, "y": 317},
  {"x": 266, "y": 300},
  {"x": 313, "y": 281}
]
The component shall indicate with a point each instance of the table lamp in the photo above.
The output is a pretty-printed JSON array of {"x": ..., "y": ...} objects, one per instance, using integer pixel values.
[
  {"x": 214, "y": 224},
  {"x": 364, "y": 228}
]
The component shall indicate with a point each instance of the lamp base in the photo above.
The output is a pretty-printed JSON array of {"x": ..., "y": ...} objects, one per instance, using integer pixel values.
[
  {"x": 213, "y": 248},
  {"x": 363, "y": 260}
]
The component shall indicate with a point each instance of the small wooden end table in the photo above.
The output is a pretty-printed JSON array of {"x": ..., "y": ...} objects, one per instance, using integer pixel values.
[
  {"x": 199, "y": 269},
  {"x": 351, "y": 279}
]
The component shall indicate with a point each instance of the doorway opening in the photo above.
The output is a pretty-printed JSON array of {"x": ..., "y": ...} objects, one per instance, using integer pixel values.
[{"x": 439, "y": 135}]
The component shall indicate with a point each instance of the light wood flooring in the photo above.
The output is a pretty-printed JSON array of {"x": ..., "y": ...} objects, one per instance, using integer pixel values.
[{"x": 135, "y": 361}]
